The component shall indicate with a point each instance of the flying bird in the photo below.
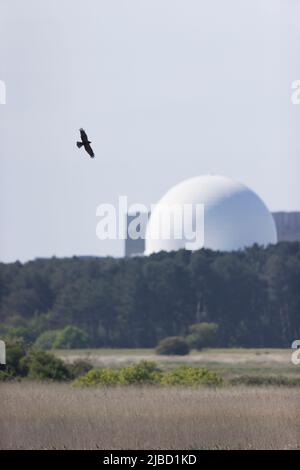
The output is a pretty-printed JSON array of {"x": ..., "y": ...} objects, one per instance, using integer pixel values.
[{"x": 86, "y": 143}]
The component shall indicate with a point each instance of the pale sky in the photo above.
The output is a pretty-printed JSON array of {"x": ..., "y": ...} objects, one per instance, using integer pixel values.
[{"x": 166, "y": 89}]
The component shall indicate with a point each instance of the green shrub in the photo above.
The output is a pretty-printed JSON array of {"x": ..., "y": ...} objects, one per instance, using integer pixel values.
[
  {"x": 79, "y": 368},
  {"x": 68, "y": 338},
  {"x": 173, "y": 345},
  {"x": 71, "y": 337},
  {"x": 5, "y": 375},
  {"x": 145, "y": 372},
  {"x": 16, "y": 350},
  {"x": 202, "y": 335},
  {"x": 95, "y": 377},
  {"x": 45, "y": 366},
  {"x": 46, "y": 340},
  {"x": 186, "y": 375}
]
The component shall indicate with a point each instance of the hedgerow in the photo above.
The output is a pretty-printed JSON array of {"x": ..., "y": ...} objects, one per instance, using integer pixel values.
[{"x": 147, "y": 372}]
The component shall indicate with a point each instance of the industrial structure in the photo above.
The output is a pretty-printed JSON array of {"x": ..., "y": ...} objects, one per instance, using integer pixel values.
[{"x": 234, "y": 218}]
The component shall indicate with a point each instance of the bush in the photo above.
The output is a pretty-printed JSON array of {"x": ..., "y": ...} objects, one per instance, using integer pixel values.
[
  {"x": 202, "y": 335},
  {"x": 145, "y": 372},
  {"x": 186, "y": 375},
  {"x": 173, "y": 345},
  {"x": 79, "y": 368},
  {"x": 16, "y": 350},
  {"x": 46, "y": 340},
  {"x": 37, "y": 364},
  {"x": 95, "y": 377},
  {"x": 5, "y": 375},
  {"x": 45, "y": 366},
  {"x": 71, "y": 337}
]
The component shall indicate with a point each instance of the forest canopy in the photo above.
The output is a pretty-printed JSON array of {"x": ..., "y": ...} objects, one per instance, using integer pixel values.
[{"x": 252, "y": 295}]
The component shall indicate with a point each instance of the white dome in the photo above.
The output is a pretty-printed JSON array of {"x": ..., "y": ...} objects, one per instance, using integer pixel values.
[{"x": 234, "y": 217}]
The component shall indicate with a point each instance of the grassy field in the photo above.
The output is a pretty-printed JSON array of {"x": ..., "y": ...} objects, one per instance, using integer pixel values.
[
  {"x": 36, "y": 415},
  {"x": 57, "y": 416},
  {"x": 228, "y": 362}
]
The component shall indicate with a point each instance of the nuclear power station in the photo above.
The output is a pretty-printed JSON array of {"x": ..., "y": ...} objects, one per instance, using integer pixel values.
[{"x": 234, "y": 217}]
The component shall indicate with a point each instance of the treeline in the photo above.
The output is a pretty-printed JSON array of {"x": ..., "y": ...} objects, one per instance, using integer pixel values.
[{"x": 253, "y": 296}]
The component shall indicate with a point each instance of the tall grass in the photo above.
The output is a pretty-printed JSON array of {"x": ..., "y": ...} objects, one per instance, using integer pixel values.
[{"x": 55, "y": 416}]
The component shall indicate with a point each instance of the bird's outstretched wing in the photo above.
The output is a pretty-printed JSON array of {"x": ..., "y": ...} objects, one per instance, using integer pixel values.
[
  {"x": 89, "y": 150},
  {"x": 83, "y": 136}
]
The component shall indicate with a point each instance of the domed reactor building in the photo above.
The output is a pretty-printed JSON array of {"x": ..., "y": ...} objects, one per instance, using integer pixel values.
[
  {"x": 231, "y": 217},
  {"x": 234, "y": 217}
]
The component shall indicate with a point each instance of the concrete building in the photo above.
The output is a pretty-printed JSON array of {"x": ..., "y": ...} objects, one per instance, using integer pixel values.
[
  {"x": 135, "y": 247},
  {"x": 234, "y": 217},
  {"x": 288, "y": 226}
]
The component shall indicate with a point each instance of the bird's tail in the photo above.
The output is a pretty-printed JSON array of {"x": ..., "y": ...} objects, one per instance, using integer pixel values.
[{"x": 79, "y": 144}]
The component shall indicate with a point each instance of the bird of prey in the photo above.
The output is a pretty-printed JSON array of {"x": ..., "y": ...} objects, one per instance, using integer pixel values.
[{"x": 86, "y": 143}]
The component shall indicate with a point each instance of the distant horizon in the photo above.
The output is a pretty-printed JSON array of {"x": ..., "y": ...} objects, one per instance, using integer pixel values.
[{"x": 119, "y": 256}]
